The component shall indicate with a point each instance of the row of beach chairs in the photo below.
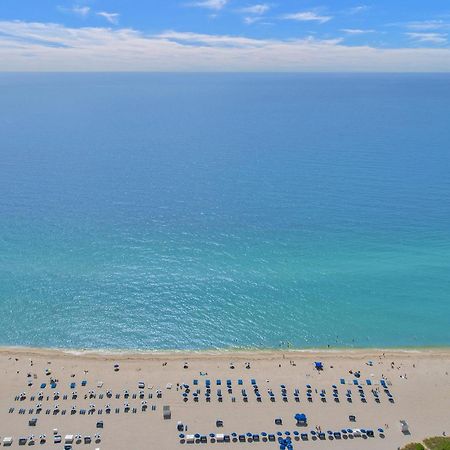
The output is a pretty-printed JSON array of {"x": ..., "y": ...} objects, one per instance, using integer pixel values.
[{"x": 279, "y": 436}]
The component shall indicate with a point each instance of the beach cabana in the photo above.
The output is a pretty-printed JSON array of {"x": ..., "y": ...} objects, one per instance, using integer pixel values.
[
  {"x": 167, "y": 415},
  {"x": 301, "y": 419},
  {"x": 190, "y": 438},
  {"x": 404, "y": 426},
  {"x": 68, "y": 439},
  {"x": 220, "y": 437},
  {"x": 7, "y": 441}
]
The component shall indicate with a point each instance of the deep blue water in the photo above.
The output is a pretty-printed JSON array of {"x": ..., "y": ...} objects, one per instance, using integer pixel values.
[{"x": 157, "y": 211}]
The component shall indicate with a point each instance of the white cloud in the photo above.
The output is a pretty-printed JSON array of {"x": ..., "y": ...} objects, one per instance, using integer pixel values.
[
  {"x": 26, "y": 46},
  {"x": 209, "y": 4},
  {"x": 358, "y": 9},
  {"x": 432, "y": 38},
  {"x": 256, "y": 9},
  {"x": 249, "y": 20},
  {"x": 307, "y": 16},
  {"x": 427, "y": 25},
  {"x": 210, "y": 40},
  {"x": 110, "y": 17},
  {"x": 81, "y": 10},
  {"x": 356, "y": 31}
]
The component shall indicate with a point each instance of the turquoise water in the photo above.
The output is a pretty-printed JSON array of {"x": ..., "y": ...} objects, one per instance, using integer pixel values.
[{"x": 195, "y": 211}]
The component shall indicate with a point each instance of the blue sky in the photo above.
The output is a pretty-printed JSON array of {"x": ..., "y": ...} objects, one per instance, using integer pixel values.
[{"x": 388, "y": 35}]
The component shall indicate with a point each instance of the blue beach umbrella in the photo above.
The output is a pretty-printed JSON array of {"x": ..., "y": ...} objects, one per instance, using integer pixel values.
[
  {"x": 181, "y": 436},
  {"x": 264, "y": 434},
  {"x": 279, "y": 433}
]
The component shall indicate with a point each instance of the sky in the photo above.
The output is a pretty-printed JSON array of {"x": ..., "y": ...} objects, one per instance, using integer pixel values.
[{"x": 225, "y": 35}]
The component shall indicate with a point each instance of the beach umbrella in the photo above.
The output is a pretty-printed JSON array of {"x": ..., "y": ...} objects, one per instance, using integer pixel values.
[
  {"x": 329, "y": 432},
  {"x": 234, "y": 434},
  {"x": 249, "y": 434},
  {"x": 380, "y": 430},
  {"x": 287, "y": 433},
  {"x": 212, "y": 435},
  {"x": 264, "y": 434},
  {"x": 181, "y": 436},
  {"x": 313, "y": 432},
  {"x": 197, "y": 435},
  {"x": 279, "y": 433}
]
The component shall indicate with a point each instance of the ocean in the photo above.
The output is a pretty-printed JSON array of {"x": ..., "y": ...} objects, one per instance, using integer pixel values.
[{"x": 217, "y": 211}]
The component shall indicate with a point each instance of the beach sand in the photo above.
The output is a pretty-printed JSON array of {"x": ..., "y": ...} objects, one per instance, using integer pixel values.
[{"x": 418, "y": 381}]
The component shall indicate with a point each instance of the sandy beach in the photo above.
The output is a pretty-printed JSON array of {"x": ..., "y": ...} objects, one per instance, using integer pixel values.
[{"x": 415, "y": 388}]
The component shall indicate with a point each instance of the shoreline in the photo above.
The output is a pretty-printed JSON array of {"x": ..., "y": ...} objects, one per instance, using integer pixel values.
[{"x": 255, "y": 353}]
